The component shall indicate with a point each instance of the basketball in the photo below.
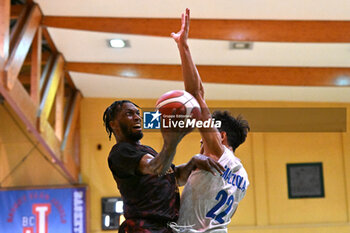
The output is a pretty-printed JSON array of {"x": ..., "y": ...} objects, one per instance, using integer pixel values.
[{"x": 178, "y": 104}]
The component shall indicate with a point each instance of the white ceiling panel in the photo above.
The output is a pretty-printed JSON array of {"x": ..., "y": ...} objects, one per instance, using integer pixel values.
[
  {"x": 217, "y": 9},
  {"x": 115, "y": 87},
  {"x": 87, "y": 46}
]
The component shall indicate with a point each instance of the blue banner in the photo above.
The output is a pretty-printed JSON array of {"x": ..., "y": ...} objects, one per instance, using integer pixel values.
[{"x": 54, "y": 210}]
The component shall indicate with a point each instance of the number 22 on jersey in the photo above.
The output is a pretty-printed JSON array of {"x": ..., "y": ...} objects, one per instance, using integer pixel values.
[{"x": 223, "y": 199}]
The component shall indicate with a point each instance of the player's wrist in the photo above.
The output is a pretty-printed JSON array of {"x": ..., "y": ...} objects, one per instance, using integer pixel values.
[
  {"x": 170, "y": 144},
  {"x": 183, "y": 45}
]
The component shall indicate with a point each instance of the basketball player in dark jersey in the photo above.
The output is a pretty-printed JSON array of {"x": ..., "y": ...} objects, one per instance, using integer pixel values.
[{"x": 147, "y": 180}]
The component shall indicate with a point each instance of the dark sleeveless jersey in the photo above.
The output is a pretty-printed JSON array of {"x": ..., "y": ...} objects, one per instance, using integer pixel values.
[{"x": 147, "y": 199}]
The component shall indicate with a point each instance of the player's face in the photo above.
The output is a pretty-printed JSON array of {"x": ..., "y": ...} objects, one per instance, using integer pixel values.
[{"x": 129, "y": 120}]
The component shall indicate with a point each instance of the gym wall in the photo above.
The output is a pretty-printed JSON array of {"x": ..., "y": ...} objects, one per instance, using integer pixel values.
[{"x": 266, "y": 207}]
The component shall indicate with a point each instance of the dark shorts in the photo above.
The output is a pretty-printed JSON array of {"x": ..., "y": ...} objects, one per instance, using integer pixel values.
[{"x": 144, "y": 226}]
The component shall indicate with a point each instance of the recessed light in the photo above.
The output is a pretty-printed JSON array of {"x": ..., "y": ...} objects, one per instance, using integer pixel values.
[
  {"x": 342, "y": 81},
  {"x": 118, "y": 43},
  {"x": 241, "y": 45}
]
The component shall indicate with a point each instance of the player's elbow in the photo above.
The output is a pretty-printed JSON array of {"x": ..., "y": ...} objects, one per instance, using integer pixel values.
[
  {"x": 162, "y": 170},
  {"x": 150, "y": 165},
  {"x": 158, "y": 168}
]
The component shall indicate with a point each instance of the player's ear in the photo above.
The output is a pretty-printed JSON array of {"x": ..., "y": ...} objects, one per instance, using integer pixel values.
[
  {"x": 202, "y": 147},
  {"x": 223, "y": 136},
  {"x": 114, "y": 124}
]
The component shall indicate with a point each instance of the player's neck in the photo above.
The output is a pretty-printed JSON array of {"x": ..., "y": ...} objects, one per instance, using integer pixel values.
[
  {"x": 128, "y": 140},
  {"x": 229, "y": 147}
]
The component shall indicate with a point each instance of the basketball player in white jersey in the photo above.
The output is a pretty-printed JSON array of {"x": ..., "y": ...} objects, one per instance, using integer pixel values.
[{"x": 208, "y": 202}]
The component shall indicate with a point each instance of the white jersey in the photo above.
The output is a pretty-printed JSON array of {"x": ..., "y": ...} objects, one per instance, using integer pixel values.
[{"x": 208, "y": 202}]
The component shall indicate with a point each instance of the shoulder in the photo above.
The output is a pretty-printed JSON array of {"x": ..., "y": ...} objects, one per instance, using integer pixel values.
[
  {"x": 122, "y": 149},
  {"x": 149, "y": 149},
  {"x": 124, "y": 158},
  {"x": 227, "y": 155},
  {"x": 122, "y": 146}
]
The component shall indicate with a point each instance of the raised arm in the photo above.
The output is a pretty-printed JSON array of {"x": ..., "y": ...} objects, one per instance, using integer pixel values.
[
  {"x": 193, "y": 84},
  {"x": 192, "y": 80},
  {"x": 161, "y": 163}
]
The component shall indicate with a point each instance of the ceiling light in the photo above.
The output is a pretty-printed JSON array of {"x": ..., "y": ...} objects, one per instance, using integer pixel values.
[
  {"x": 118, "y": 43},
  {"x": 342, "y": 81},
  {"x": 241, "y": 45}
]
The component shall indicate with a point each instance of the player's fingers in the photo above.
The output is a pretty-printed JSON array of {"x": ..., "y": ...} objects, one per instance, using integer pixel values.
[
  {"x": 186, "y": 23},
  {"x": 188, "y": 17},
  {"x": 214, "y": 168},
  {"x": 210, "y": 167},
  {"x": 217, "y": 166}
]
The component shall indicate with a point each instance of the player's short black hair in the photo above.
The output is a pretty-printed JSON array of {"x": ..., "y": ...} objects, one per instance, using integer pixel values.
[
  {"x": 111, "y": 112},
  {"x": 236, "y": 128}
]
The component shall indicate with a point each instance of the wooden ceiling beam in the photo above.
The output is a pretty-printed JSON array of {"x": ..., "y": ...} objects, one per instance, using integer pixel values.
[
  {"x": 59, "y": 110},
  {"x": 70, "y": 144},
  {"x": 49, "y": 95},
  {"x": 54, "y": 50},
  {"x": 44, "y": 58},
  {"x": 18, "y": 27},
  {"x": 22, "y": 45},
  {"x": 49, "y": 40},
  {"x": 217, "y": 29},
  {"x": 16, "y": 11},
  {"x": 72, "y": 120},
  {"x": 46, "y": 72},
  {"x": 4, "y": 36},
  {"x": 250, "y": 75},
  {"x": 36, "y": 67},
  {"x": 12, "y": 88},
  {"x": 69, "y": 80}
]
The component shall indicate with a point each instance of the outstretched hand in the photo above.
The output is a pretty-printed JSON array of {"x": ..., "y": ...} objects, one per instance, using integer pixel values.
[
  {"x": 207, "y": 164},
  {"x": 173, "y": 135},
  {"x": 181, "y": 36}
]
